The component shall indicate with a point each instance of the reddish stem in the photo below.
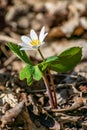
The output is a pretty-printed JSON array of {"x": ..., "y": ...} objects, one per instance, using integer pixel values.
[
  {"x": 48, "y": 90},
  {"x": 53, "y": 86},
  {"x": 53, "y": 101}
]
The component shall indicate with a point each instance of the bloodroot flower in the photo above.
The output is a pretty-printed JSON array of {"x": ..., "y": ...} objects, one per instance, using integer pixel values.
[{"x": 33, "y": 42}]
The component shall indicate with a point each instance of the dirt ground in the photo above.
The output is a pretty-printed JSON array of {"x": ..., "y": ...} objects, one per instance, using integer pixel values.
[{"x": 28, "y": 108}]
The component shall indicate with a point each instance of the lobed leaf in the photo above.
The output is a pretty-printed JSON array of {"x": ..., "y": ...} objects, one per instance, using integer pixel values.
[{"x": 30, "y": 72}]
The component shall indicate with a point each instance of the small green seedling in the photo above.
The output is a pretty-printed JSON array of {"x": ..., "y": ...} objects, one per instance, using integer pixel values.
[{"x": 60, "y": 63}]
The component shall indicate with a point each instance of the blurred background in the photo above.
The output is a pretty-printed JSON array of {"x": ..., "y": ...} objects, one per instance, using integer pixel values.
[{"x": 65, "y": 22}]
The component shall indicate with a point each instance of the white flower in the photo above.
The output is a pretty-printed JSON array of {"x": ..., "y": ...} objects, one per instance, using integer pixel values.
[{"x": 33, "y": 42}]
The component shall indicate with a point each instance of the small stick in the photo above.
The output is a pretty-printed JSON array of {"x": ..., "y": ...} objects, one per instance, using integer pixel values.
[
  {"x": 75, "y": 106},
  {"x": 8, "y": 39},
  {"x": 9, "y": 60}
]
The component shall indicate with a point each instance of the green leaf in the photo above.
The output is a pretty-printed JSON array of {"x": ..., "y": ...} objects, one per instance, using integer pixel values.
[
  {"x": 43, "y": 66},
  {"x": 21, "y": 54},
  {"x": 26, "y": 73},
  {"x": 30, "y": 72},
  {"x": 37, "y": 74},
  {"x": 65, "y": 61},
  {"x": 52, "y": 58},
  {"x": 72, "y": 51}
]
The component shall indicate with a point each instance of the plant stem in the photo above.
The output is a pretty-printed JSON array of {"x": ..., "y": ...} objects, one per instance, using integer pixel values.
[
  {"x": 41, "y": 53},
  {"x": 54, "y": 90},
  {"x": 48, "y": 90},
  {"x": 52, "y": 82}
]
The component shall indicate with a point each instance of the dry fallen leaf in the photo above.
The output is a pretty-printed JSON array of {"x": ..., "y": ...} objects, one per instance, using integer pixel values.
[
  {"x": 11, "y": 114},
  {"x": 10, "y": 99},
  {"x": 83, "y": 88}
]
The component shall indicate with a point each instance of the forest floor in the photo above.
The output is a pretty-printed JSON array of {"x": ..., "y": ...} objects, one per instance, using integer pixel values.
[{"x": 27, "y": 108}]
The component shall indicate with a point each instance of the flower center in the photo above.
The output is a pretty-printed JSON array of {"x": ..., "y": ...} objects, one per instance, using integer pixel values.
[{"x": 35, "y": 42}]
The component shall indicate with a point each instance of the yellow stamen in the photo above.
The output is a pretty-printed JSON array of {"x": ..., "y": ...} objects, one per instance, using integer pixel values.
[{"x": 35, "y": 42}]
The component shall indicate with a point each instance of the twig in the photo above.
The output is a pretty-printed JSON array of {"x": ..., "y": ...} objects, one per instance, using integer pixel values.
[
  {"x": 11, "y": 114},
  {"x": 8, "y": 39},
  {"x": 75, "y": 106},
  {"x": 9, "y": 60}
]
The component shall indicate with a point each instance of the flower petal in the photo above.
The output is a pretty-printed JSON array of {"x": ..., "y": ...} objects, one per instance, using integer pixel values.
[
  {"x": 25, "y": 45},
  {"x": 41, "y": 33},
  {"x": 24, "y": 48},
  {"x": 25, "y": 39},
  {"x": 33, "y": 35},
  {"x": 41, "y": 39}
]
